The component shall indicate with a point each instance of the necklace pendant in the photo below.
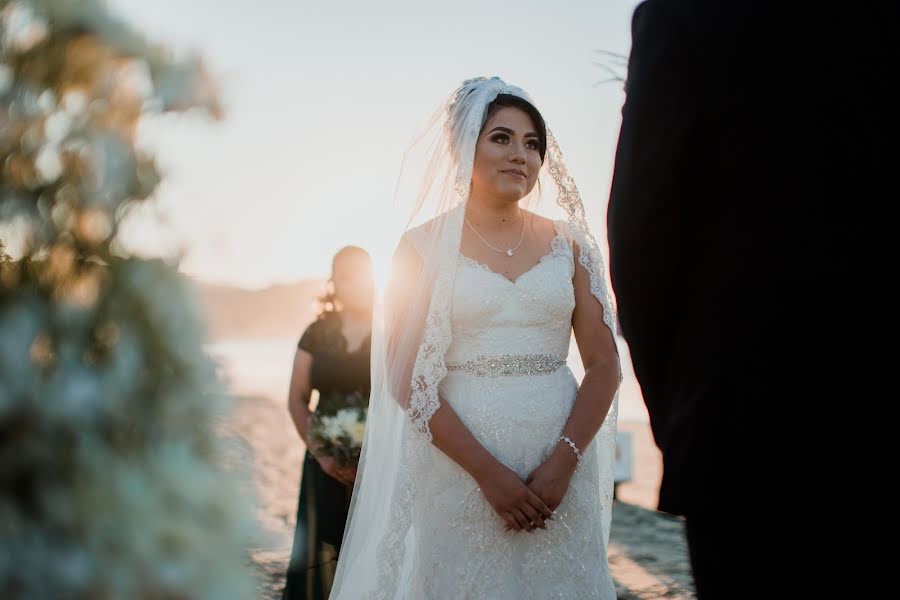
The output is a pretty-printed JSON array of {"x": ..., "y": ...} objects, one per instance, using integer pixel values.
[{"x": 509, "y": 252}]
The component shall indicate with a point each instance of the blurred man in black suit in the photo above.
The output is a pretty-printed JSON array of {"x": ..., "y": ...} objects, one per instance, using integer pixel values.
[{"x": 748, "y": 186}]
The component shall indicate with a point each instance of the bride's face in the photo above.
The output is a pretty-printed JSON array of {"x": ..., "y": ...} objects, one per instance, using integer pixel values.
[{"x": 507, "y": 156}]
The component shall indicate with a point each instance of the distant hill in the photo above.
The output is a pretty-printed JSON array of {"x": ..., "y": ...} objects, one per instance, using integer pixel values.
[{"x": 276, "y": 312}]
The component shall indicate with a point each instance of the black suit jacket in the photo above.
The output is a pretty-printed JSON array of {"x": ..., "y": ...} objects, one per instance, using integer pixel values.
[{"x": 747, "y": 188}]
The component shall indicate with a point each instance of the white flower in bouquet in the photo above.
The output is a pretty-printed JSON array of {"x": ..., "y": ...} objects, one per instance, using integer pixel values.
[
  {"x": 331, "y": 428},
  {"x": 357, "y": 433},
  {"x": 346, "y": 419}
]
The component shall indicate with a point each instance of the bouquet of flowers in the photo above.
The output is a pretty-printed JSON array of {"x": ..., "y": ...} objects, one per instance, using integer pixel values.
[{"x": 339, "y": 435}]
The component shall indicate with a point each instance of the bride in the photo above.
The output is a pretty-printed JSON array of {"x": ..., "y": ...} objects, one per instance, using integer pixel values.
[{"x": 486, "y": 469}]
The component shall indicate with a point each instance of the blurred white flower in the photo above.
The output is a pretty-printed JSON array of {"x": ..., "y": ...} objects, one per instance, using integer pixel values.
[
  {"x": 46, "y": 101},
  {"x": 57, "y": 126},
  {"x": 23, "y": 29},
  {"x": 17, "y": 232},
  {"x": 331, "y": 428},
  {"x": 74, "y": 102},
  {"x": 346, "y": 420},
  {"x": 347, "y": 416},
  {"x": 48, "y": 164},
  {"x": 358, "y": 433},
  {"x": 134, "y": 80}
]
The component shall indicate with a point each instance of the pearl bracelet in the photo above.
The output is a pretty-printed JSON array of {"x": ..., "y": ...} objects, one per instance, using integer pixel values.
[{"x": 566, "y": 439}]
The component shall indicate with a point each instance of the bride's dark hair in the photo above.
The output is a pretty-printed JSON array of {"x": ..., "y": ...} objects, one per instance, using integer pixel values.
[{"x": 508, "y": 100}]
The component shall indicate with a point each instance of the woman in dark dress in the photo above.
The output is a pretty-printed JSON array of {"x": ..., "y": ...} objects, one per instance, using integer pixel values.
[{"x": 332, "y": 358}]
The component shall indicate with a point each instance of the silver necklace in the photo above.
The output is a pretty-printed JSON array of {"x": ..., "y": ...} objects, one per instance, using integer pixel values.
[{"x": 508, "y": 251}]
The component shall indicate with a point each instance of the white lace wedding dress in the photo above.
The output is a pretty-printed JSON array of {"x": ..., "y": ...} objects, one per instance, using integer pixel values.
[{"x": 509, "y": 384}]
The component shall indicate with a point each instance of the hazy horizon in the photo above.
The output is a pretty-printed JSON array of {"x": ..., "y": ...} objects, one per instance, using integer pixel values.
[{"x": 321, "y": 100}]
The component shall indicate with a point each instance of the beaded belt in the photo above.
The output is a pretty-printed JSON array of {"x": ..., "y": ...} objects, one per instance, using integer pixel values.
[{"x": 510, "y": 364}]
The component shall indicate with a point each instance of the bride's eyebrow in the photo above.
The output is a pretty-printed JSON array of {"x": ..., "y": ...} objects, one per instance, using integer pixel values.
[{"x": 511, "y": 132}]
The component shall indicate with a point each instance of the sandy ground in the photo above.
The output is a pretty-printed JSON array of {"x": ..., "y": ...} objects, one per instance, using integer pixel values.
[{"x": 647, "y": 551}]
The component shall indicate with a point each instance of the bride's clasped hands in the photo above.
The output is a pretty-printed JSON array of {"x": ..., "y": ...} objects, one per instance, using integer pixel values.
[
  {"x": 550, "y": 480},
  {"x": 527, "y": 505}
]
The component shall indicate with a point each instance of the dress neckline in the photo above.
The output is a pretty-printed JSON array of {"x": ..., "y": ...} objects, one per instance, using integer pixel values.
[
  {"x": 345, "y": 344},
  {"x": 554, "y": 250}
]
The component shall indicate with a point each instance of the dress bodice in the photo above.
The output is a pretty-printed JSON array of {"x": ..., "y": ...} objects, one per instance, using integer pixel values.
[{"x": 493, "y": 316}]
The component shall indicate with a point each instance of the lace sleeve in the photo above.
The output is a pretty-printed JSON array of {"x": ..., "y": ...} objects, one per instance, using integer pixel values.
[
  {"x": 587, "y": 255},
  {"x": 417, "y": 324}
]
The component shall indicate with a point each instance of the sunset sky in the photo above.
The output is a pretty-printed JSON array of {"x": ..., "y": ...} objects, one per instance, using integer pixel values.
[{"x": 321, "y": 100}]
